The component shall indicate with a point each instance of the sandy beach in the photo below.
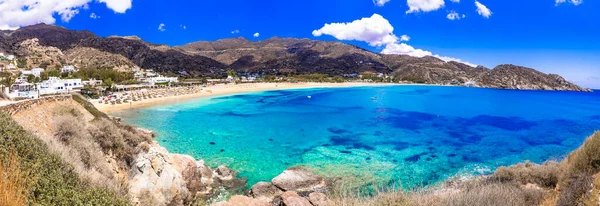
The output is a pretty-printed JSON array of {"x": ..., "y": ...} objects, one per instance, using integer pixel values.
[{"x": 223, "y": 89}]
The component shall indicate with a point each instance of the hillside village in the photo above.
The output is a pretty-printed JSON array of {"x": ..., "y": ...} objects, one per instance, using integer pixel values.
[{"x": 17, "y": 83}]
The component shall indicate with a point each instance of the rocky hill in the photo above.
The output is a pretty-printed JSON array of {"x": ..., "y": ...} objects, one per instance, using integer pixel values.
[{"x": 278, "y": 56}]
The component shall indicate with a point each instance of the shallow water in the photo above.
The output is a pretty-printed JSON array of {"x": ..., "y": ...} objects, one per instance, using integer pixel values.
[{"x": 393, "y": 135}]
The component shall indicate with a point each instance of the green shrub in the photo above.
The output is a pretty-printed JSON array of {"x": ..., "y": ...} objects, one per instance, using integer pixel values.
[{"x": 89, "y": 106}]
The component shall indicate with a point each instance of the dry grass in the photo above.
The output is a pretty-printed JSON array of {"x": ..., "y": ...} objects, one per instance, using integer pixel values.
[
  {"x": 15, "y": 181},
  {"x": 545, "y": 175},
  {"x": 584, "y": 160},
  {"x": 478, "y": 193},
  {"x": 501, "y": 194}
]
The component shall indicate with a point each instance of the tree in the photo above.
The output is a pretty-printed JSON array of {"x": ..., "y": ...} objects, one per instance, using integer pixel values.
[
  {"x": 7, "y": 79},
  {"x": 30, "y": 78},
  {"x": 108, "y": 83},
  {"x": 53, "y": 73},
  {"x": 37, "y": 80},
  {"x": 21, "y": 62},
  {"x": 232, "y": 73},
  {"x": 44, "y": 76}
]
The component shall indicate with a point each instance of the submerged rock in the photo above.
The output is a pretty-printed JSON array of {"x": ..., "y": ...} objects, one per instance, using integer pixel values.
[
  {"x": 265, "y": 191},
  {"x": 300, "y": 180}
]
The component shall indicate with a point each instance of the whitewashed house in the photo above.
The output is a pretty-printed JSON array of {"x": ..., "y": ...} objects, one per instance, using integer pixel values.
[
  {"x": 55, "y": 85},
  {"x": 67, "y": 69},
  {"x": 22, "y": 90},
  {"x": 10, "y": 57},
  {"x": 37, "y": 72},
  {"x": 159, "y": 80},
  {"x": 92, "y": 82}
]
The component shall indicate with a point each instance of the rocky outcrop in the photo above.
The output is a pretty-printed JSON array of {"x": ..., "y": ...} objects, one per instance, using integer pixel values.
[
  {"x": 160, "y": 178},
  {"x": 240, "y": 200},
  {"x": 509, "y": 76},
  {"x": 296, "y": 186},
  {"x": 85, "y": 57},
  {"x": 291, "y": 198},
  {"x": 317, "y": 198},
  {"x": 155, "y": 177},
  {"x": 265, "y": 191},
  {"x": 300, "y": 180}
]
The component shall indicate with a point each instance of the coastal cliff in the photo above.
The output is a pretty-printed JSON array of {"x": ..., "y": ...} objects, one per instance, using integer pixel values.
[
  {"x": 121, "y": 160},
  {"x": 51, "y": 46}
]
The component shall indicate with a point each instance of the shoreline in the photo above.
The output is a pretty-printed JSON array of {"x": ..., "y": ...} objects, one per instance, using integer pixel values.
[{"x": 228, "y": 89}]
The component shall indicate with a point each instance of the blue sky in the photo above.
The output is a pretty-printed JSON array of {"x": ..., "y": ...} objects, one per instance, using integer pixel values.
[{"x": 552, "y": 37}]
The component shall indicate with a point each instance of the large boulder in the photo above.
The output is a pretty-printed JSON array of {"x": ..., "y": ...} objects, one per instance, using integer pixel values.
[
  {"x": 154, "y": 178},
  {"x": 197, "y": 175},
  {"x": 265, "y": 191},
  {"x": 240, "y": 200},
  {"x": 300, "y": 180},
  {"x": 291, "y": 198}
]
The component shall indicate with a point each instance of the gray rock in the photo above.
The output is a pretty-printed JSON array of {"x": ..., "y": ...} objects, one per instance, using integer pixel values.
[
  {"x": 265, "y": 191},
  {"x": 300, "y": 180}
]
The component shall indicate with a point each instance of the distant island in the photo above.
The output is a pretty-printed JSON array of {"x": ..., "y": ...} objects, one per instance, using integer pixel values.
[{"x": 52, "y": 47}]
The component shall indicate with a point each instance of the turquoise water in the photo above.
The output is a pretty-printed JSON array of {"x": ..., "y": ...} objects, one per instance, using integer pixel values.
[{"x": 393, "y": 135}]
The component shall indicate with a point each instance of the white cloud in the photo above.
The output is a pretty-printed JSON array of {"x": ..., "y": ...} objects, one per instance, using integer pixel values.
[
  {"x": 402, "y": 48},
  {"x": 483, "y": 10},
  {"x": 161, "y": 27},
  {"x": 17, "y": 13},
  {"x": 377, "y": 31},
  {"x": 455, "y": 1},
  {"x": 94, "y": 16},
  {"x": 424, "y": 5},
  {"x": 380, "y": 2},
  {"x": 183, "y": 26},
  {"x": 119, "y": 6},
  {"x": 405, "y": 38},
  {"x": 235, "y": 31},
  {"x": 454, "y": 16},
  {"x": 256, "y": 34},
  {"x": 574, "y": 2}
]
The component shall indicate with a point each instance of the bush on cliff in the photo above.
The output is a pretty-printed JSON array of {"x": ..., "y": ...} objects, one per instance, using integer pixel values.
[{"x": 54, "y": 180}]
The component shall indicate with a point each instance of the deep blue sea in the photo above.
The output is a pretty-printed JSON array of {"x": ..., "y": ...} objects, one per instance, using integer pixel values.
[{"x": 389, "y": 135}]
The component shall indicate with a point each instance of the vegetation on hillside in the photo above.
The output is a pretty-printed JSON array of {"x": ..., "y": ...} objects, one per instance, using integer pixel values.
[{"x": 55, "y": 181}]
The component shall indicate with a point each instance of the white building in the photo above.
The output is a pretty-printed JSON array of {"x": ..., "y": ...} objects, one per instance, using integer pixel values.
[
  {"x": 37, "y": 72},
  {"x": 67, "y": 69},
  {"x": 159, "y": 80},
  {"x": 10, "y": 57},
  {"x": 23, "y": 77},
  {"x": 92, "y": 82},
  {"x": 22, "y": 90},
  {"x": 56, "y": 85}
]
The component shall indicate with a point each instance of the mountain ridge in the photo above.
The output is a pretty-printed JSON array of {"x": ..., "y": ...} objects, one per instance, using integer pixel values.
[{"x": 277, "y": 56}]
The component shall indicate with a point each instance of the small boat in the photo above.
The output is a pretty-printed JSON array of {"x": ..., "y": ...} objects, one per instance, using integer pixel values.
[{"x": 309, "y": 97}]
